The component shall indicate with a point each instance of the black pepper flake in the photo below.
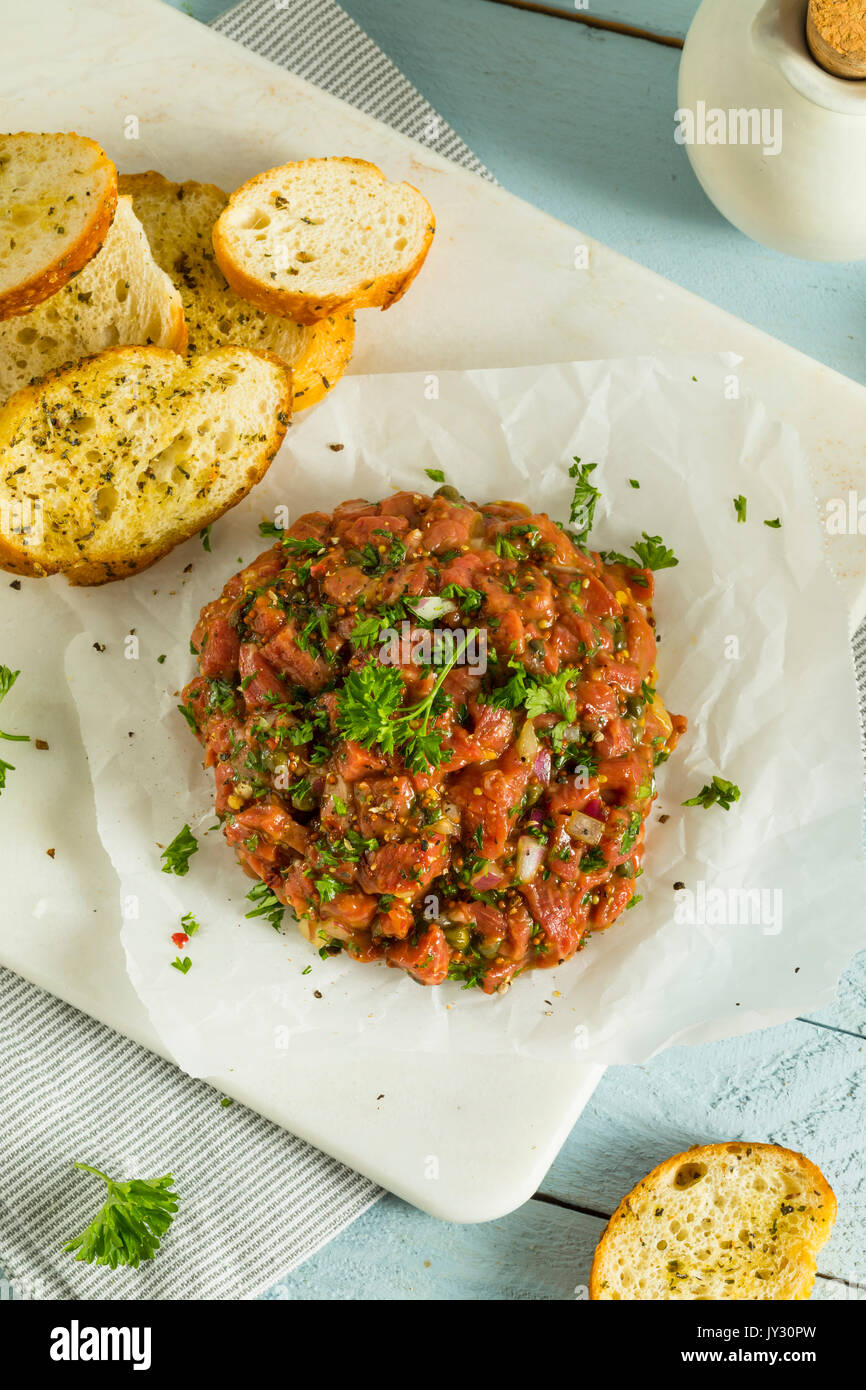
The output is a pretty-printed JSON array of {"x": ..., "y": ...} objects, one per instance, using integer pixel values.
[
  {"x": 50, "y": 853},
  {"x": 99, "y": 646},
  {"x": 317, "y": 994},
  {"x": 678, "y": 886},
  {"x": 16, "y": 583},
  {"x": 40, "y": 744},
  {"x": 336, "y": 447},
  {"x": 663, "y": 820}
]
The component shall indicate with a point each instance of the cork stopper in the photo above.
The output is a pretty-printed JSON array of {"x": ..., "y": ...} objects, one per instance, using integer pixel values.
[{"x": 836, "y": 34}]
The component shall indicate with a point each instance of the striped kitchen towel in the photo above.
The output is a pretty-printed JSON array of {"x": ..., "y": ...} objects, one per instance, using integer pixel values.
[{"x": 255, "y": 1200}]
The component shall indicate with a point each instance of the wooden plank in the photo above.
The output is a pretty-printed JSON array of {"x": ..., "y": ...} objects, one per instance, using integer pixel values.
[
  {"x": 395, "y": 1252},
  {"x": 796, "y": 1085},
  {"x": 848, "y": 1010},
  {"x": 660, "y": 16},
  {"x": 664, "y": 17}
]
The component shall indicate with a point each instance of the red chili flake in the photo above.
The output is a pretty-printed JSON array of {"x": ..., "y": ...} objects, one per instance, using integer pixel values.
[{"x": 180, "y": 939}]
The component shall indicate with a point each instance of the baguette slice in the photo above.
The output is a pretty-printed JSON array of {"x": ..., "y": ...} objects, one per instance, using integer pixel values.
[
  {"x": 309, "y": 238},
  {"x": 179, "y": 220},
  {"x": 121, "y": 296},
  {"x": 114, "y": 461},
  {"x": 721, "y": 1221},
  {"x": 57, "y": 199}
]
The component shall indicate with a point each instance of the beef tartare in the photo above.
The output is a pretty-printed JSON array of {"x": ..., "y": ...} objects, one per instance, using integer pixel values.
[{"x": 433, "y": 727}]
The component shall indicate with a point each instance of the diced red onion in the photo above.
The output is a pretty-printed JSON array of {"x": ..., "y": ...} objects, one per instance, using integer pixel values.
[
  {"x": 487, "y": 878},
  {"x": 429, "y": 608},
  {"x": 594, "y": 808},
  {"x": 530, "y": 855},
  {"x": 542, "y": 765},
  {"x": 584, "y": 828}
]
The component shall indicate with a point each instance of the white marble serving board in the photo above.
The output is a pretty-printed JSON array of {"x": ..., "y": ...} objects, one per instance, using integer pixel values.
[{"x": 505, "y": 285}]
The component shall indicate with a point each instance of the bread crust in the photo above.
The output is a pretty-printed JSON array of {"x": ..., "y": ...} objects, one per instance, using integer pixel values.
[
  {"x": 703, "y": 1152},
  {"x": 379, "y": 293},
  {"x": 24, "y": 296},
  {"x": 82, "y": 571}
]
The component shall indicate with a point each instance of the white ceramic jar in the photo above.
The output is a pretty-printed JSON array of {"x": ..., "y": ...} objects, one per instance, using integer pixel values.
[{"x": 799, "y": 183}]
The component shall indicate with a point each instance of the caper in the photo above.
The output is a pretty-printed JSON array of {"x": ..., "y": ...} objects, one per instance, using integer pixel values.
[
  {"x": 448, "y": 492},
  {"x": 457, "y": 937},
  {"x": 617, "y": 632},
  {"x": 354, "y": 556},
  {"x": 489, "y": 949},
  {"x": 634, "y": 706}
]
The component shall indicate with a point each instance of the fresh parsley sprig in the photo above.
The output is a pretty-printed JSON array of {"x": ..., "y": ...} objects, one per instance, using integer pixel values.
[
  {"x": 130, "y": 1226},
  {"x": 367, "y": 712}
]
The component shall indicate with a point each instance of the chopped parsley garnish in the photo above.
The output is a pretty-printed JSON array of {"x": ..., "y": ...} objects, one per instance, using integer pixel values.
[
  {"x": 182, "y": 963},
  {"x": 204, "y": 537},
  {"x": 435, "y": 475},
  {"x": 189, "y": 924},
  {"x": 653, "y": 553},
  {"x": 328, "y": 887},
  {"x": 470, "y": 600},
  {"x": 740, "y": 505},
  {"x": 774, "y": 524},
  {"x": 716, "y": 793},
  {"x": 177, "y": 855},
  {"x": 584, "y": 500},
  {"x": 270, "y": 531},
  {"x": 267, "y": 905}
]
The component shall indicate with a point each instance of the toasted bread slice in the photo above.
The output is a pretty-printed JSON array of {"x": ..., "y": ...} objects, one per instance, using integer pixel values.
[
  {"x": 310, "y": 238},
  {"x": 107, "y": 465},
  {"x": 179, "y": 220},
  {"x": 120, "y": 297},
  {"x": 720, "y": 1221},
  {"x": 57, "y": 199}
]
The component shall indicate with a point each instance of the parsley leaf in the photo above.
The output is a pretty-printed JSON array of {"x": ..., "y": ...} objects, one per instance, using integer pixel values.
[
  {"x": 328, "y": 887},
  {"x": 435, "y": 474},
  {"x": 654, "y": 554},
  {"x": 774, "y": 524},
  {"x": 204, "y": 537},
  {"x": 717, "y": 793},
  {"x": 740, "y": 505},
  {"x": 177, "y": 855},
  {"x": 584, "y": 499},
  {"x": 128, "y": 1228}
]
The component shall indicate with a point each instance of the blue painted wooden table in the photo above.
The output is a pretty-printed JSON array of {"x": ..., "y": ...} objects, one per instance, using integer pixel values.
[{"x": 580, "y": 122}]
